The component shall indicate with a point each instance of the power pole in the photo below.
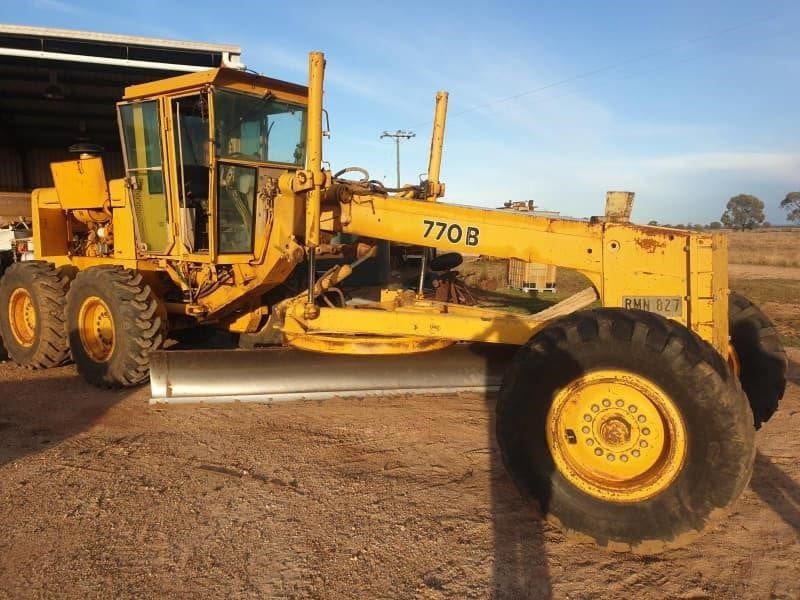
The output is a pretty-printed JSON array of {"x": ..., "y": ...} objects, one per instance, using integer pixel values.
[
  {"x": 384, "y": 257},
  {"x": 398, "y": 135}
]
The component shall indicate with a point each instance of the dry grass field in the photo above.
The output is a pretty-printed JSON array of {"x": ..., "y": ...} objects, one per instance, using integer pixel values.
[{"x": 771, "y": 247}]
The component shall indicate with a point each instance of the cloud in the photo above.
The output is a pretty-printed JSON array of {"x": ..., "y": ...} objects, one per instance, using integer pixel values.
[{"x": 361, "y": 83}]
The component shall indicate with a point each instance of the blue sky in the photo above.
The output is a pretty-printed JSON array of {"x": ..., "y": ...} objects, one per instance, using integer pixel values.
[{"x": 686, "y": 103}]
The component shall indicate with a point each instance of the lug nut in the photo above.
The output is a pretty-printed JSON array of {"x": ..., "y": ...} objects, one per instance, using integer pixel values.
[
  {"x": 641, "y": 418},
  {"x": 610, "y": 457},
  {"x": 598, "y": 452},
  {"x": 632, "y": 408},
  {"x": 620, "y": 403},
  {"x": 595, "y": 408},
  {"x": 590, "y": 442},
  {"x": 624, "y": 458},
  {"x": 606, "y": 402},
  {"x": 643, "y": 444},
  {"x": 645, "y": 431},
  {"x": 585, "y": 429},
  {"x": 587, "y": 418},
  {"x": 635, "y": 453}
]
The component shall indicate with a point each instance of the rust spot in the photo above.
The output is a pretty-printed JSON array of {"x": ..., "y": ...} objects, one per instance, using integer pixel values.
[{"x": 650, "y": 244}]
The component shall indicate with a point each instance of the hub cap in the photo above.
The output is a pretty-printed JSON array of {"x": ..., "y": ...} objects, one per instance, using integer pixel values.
[
  {"x": 616, "y": 436},
  {"x": 22, "y": 317},
  {"x": 96, "y": 329}
]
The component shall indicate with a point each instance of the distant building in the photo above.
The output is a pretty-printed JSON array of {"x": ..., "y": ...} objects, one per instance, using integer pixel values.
[{"x": 528, "y": 276}]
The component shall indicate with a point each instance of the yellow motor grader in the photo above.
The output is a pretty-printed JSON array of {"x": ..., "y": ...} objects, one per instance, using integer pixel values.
[{"x": 632, "y": 423}]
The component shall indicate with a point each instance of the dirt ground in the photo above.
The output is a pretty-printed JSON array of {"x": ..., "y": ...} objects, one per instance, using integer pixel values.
[{"x": 102, "y": 495}]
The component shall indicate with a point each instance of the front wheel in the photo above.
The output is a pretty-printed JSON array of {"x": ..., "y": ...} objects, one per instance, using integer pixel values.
[
  {"x": 32, "y": 296},
  {"x": 113, "y": 326},
  {"x": 626, "y": 428}
]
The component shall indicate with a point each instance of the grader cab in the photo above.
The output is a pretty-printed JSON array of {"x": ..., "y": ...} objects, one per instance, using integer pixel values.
[{"x": 627, "y": 423}]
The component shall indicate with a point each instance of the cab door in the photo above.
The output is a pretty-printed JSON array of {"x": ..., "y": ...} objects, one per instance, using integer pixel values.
[
  {"x": 140, "y": 126},
  {"x": 191, "y": 139}
]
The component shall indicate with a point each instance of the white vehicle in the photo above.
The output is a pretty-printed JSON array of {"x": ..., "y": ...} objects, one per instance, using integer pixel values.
[{"x": 16, "y": 244}]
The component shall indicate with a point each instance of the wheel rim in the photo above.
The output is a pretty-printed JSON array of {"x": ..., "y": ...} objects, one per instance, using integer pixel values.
[
  {"x": 616, "y": 436},
  {"x": 97, "y": 329},
  {"x": 22, "y": 317}
]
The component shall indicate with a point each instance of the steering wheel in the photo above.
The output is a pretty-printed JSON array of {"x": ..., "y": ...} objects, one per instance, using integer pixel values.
[{"x": 364, "y": 173}]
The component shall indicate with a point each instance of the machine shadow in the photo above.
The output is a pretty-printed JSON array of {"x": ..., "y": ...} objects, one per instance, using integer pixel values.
[
  {"x": 38, "y": 412},
  {"x": 777, "y": 490},
  {"x": 520, "y": 568}
]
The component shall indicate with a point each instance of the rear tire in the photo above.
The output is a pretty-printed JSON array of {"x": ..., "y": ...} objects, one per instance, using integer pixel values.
[
  {"x": 32, "y": 299},
  {"x": 760, "y": 355},
  {"x": 701, "y": 447},
  {"x": 113, "y": 326}
]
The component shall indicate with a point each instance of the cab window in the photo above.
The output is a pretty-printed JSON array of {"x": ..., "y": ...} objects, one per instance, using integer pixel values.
[
  {"x": 236, "y": 203},
  {"x": 259, "y": 128},
  {"x": 141, "y": 133}
]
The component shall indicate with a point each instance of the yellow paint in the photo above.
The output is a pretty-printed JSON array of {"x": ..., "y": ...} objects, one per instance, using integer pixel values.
[
  {"x": 244, "y": 322},
  {"x": 22, "y": 317},
  {"x": 363, "y": 344},
  {"x": 415, "y": 322},
  {"x": 233, "y": 79},
  {"x": 435, "y": 187},
  {"x": 620, "y": 259},
  {"x": 80, "y": 183},
  {"x": 733, "y": 361},
  {"x": 96, "y": 328},
  {"x": 49, "y": 225},
  {"x": 313, "y": 173},
  {"x": 122, "y": 221},
  {"x": 616, "y": 436}
]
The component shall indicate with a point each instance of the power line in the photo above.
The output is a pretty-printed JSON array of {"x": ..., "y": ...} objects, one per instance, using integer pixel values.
[
  {"x": 609, "y": 67},
  {"x": 641, "y": 73}
]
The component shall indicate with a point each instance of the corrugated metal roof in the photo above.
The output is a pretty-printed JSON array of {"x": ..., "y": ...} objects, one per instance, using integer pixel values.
[
  {"x": 60, "y": 86},
  {"x": 47, "y": 43},
  {"x": 94, "y": 36}
]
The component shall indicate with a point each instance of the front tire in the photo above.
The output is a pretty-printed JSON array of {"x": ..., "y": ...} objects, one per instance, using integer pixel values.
[
  {"x": 113, "y": 326},
  {"x": 32, "y": 298},
  {"x": 626, "y": 428},
  {"x": 760, "y": 356}
]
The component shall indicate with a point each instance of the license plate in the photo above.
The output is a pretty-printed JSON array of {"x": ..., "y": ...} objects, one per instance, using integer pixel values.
[{"x": 666, "y": 306}]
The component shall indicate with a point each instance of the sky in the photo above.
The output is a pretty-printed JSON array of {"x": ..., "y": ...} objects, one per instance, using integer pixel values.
[{"x": 686, "y": 103}]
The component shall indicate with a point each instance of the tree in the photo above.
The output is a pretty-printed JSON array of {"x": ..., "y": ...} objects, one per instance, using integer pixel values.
[
  {"x": 791, "y": 204},
  {"x": 743, "y": 212},
  {"x": 652, "y": 222},
  {"x": 715, "y": 225}
]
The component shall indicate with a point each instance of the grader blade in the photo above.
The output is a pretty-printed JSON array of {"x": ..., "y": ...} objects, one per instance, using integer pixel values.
[{"x": 283, "y": 374}]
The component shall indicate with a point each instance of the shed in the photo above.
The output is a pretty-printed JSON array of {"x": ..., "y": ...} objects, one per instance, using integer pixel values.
[{"x": 59, "y": 87}]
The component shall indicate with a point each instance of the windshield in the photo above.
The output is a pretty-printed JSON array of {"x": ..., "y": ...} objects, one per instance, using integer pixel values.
[{"x": 259, "y": 128}]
